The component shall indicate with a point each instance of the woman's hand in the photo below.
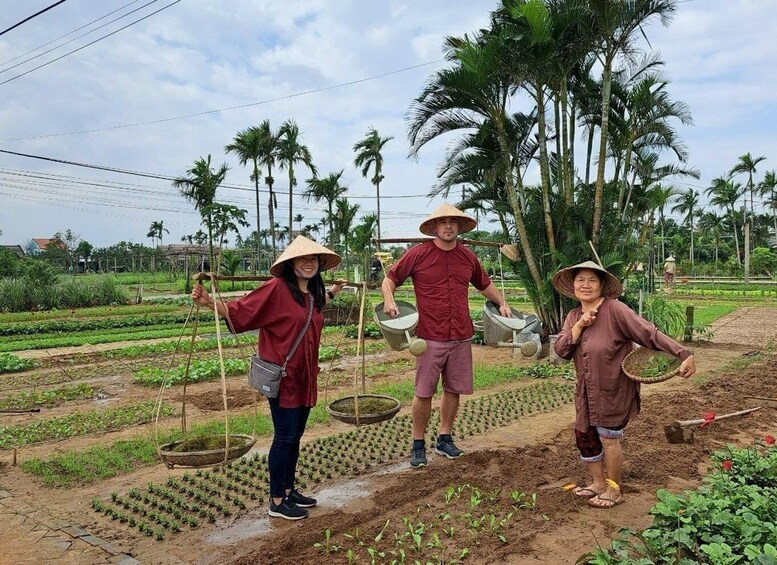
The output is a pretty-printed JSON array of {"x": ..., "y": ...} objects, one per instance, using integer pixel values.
[
  {"x": 688, "y": 367},
  {"x": 200, "y": 295},
  {"x": 587, "y": 318}
]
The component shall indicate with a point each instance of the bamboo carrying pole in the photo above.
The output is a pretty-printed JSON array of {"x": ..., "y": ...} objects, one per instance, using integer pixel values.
[{"x": 359, "y": 348}]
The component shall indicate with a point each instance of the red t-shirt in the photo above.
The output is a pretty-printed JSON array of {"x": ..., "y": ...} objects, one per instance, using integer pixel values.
[
  {"x": 441, "y": 282},
  {"x": 272, "y": 309}
]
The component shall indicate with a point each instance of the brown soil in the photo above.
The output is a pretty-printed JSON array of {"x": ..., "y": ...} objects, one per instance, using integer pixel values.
[{"x": 536, "y": 454}]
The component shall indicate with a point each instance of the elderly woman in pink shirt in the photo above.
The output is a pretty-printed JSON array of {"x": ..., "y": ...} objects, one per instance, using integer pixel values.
[{"x": 597, "y": 336}]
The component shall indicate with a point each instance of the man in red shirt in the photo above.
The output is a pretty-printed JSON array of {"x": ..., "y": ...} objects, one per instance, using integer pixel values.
[{"x": 442, "y": 270}]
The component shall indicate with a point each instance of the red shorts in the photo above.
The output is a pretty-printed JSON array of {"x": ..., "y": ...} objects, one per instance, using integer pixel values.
[{"x": 452, "y": 360}]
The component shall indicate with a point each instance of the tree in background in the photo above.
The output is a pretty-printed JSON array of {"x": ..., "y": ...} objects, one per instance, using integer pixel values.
[
  {"x": 747, "y": 164},
  {"x": 291, "y": 152},
  {"x": 248, "y": 146},
  {"x": 344, "y": 215},
  {"x": 369, "y": 156},
  {"x": 688, "y": 205},
  {"x": 268, "y": 156},
  {"x": 226, "y": 219},
  {"x": 326, "y": 189},
  {"x": 200, "y": 187}
]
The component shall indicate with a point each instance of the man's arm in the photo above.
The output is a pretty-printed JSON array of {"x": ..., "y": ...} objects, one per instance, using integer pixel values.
[
  {"x": 389, "y": 304},
  {"x": 495, "y": 296}
]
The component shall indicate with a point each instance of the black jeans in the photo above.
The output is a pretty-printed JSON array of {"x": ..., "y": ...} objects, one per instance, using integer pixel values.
[{"x": 289, "y": 424}]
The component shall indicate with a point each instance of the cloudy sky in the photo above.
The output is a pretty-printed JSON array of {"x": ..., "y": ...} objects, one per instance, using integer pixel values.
[{"x": 180, "y": 83}]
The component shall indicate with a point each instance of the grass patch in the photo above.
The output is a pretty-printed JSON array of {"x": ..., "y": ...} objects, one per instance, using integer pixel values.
[
  {"x": 47, "y": 398},
  {"x": 705, "y": 313}
]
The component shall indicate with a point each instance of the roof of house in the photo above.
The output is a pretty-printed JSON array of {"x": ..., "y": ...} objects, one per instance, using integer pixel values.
[
  {"x": 14, "y": 249},
  {"x": 43, "y": 243}
]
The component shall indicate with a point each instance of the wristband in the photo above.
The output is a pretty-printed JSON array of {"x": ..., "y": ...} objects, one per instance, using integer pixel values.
[{"x": 330, "y": 294}]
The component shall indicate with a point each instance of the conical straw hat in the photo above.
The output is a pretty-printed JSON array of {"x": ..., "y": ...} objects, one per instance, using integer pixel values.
[
  {"x": 510, "y": 250},
  {"x": 670, "y": 259},
  {"x": 302, "y": 246},
  {"x": 564, "y": 281},
  {"x": 428, "y": 226}
]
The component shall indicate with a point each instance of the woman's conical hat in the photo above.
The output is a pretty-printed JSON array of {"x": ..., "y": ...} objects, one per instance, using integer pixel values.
[
  {"x": 428, "y": 226},
  {"x": 301, "y": 246},
  {"x": 564, "y": 281}
]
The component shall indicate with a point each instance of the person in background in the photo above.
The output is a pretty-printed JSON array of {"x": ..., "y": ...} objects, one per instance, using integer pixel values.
[
  {"x": 279, "y": 310},
  {"x": 442, "y": 270},
  {"x": 598, "y": 335},
  {"x": 670, "y": 269}
]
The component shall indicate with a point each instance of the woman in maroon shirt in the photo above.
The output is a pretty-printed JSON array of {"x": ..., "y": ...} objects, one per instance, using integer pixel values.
[
  {"x": 598, "y": 335},
  {"x": 279, "y": 309}
]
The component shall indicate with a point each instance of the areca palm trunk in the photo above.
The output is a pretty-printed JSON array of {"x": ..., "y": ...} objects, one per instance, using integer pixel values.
[
  {"x": 291, "y": 195},
  {"x": 589, "y": 154},
  {"x": 258, "y": 215},
  {"x": 377, "y": 194},
  {"x": 271, "y": 211},
  {"x": 599, "y": 192},
  {"x": 567, "y": 134},
  {"x": 559, "y": 156},
  {"x": 736, "y": 236},
  {"x": 544, "y": 167}
]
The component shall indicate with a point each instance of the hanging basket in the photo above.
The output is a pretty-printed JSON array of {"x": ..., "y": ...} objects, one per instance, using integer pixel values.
[
  {"x": 373, "y": 408},
  {"x": 239, "y": 445},
  {"x": 649, "y": 366}
]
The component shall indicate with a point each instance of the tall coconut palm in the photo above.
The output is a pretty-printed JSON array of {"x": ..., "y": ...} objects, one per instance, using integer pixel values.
[
  {"x": 747, "y": 164},
  {"x": 663, "y": 195},
  {"x": 298, "y": 218},
  {"x": 711, "y": 224},
  {"x": 268, "y": 155},
  {"x": 345, "y": 212},
  {"x": 369, "y": 156},
  {"x": 247, "y": 145},
  {"x": 767, "y": 189},
  {"x": 200, "y": 188},
  {"x": 291, "y": 152},
  {"x": 687, "y": 205},
  {"x": 327, "y": 189},
  {"x": 725, "y": 193},
  {"x": 617, "y": 24}
]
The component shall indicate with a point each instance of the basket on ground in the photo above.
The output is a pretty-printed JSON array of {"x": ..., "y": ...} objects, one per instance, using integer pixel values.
[
  {"x": 239, "y": 445},
  {"x": 373, "y": 408},
  {"x": 649, "y": 366}
]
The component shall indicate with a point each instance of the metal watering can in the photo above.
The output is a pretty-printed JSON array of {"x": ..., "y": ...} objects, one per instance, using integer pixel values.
[
  {"x": 520, "y": 331},
  {"x": 398, "y": 331}
]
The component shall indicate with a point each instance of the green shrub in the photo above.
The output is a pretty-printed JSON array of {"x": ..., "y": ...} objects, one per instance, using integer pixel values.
[
  {"x": 13, "y": 295},
  {"x": 12, "y": 364}
]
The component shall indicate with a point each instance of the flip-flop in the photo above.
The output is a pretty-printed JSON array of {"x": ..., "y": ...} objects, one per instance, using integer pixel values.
[
  {"x": 608, "y": 502},
  {"x": 584, "y": 492}
]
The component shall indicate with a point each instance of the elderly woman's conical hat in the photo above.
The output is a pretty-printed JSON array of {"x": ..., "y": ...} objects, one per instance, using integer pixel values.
[
  {"x": 301, "y": 246},
  {"x": 670, "y": 259},
  {"x": 564, "y": 280},
  {"x": 429, "y": 225}
]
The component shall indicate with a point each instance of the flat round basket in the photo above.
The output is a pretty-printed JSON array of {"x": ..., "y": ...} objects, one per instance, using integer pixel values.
[
  {"x": 239, "y": 445},
  {"x": 650, "y": 366},
  {"x": 373, "y": 408}
]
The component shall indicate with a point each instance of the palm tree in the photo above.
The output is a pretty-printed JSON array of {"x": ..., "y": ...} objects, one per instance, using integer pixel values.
[
  {"x": 663, "y": 195},
  {"x": 200, "y": 188},
  {"x": 725, "y": 193},
  {"x": 268, "y": 153},
  {"x": 157, "y": 228},
  {"x": 617, "y": 24},
  {"x": 767, "y": 189},
  {"x": 290, "y": 152},
  {"x": 327, "y": 189},
  {"x": 247, "y": 145},
  {"x": 368, "y": 155},
  {"x": 687, "y": 204},
  {"x": 344, "y": 219},
  {"x": 710, "y": 224},
  {"x": 746, "y": 164},
  {"x": 298, "y": 218}
]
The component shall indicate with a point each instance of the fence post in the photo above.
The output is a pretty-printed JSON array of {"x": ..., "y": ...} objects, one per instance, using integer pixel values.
[{"x": 688, "y": 324}]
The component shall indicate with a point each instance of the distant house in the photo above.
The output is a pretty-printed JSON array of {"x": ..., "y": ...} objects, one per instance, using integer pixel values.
[
  {"x": 16, "y": 249},
  {"x": 38, "y": 245}
]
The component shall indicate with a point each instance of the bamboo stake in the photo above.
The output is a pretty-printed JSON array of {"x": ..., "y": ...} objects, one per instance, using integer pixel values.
[{"x": 359, "y": 345}]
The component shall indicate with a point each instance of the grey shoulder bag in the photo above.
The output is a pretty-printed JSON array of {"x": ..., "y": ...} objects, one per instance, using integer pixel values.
[{"x": 265, "y": 376}]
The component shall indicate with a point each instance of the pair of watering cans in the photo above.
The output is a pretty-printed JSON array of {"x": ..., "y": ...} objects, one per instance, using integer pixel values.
[{"x": 520, "y": 331}]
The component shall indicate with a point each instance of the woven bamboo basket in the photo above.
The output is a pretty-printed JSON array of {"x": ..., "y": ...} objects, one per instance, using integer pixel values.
[
  {"x": 635, "y": 363},
  {"x": 239, "y": 445},
  {"x": 337, "y": 411}
]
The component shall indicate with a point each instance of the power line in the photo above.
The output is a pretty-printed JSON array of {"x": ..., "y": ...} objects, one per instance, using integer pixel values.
[
  {"x": 239, "y": 107},
  {"x": 68, "y": 33},
  {"x": 75, "y": 38},
  {"x": 35, "y": 15},
  {"x": 90, "y": 43}
]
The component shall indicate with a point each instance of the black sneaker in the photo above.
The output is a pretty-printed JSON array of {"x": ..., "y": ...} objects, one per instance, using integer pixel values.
[
  {"x": 287, "y": 510},
  {"x": 418, "y": 455},
  {"x": 300, "y": 499},
  {"x": 446, "y": 447}
]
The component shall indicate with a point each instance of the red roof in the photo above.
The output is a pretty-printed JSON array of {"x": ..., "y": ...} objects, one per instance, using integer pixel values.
[{"x": 43, "y": 243}]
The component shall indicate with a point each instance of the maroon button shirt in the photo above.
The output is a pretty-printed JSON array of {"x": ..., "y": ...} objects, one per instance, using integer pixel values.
[
  {"x": 272, "y": 309},
  {"x": 441, "y": 282}
]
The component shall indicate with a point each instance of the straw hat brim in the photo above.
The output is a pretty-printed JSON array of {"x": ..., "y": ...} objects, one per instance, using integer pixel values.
[
  {"x": 429, "y": 225},
  {"x": 301, "y": 246},
  {"x": 563, "y": 281}
]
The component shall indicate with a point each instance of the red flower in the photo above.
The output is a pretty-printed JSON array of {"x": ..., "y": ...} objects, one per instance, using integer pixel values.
[
  {"x": 769, "y": 440},
  {"x": 727, "y": 465}
]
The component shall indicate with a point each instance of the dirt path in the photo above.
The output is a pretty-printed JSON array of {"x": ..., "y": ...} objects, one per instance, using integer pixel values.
[
  {"x": 535, "y": 454},
  {"x": 754, "y": 327}
]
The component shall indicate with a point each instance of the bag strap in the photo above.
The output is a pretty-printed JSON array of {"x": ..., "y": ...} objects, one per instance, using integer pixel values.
[{"x": 300, "y": 336}]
